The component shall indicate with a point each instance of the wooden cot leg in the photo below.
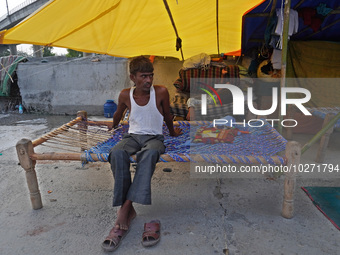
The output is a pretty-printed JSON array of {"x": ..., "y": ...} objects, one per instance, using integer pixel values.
[
  {"x": 293, "y": 154},
  {"x": 325, "y": 138},
  {"x": 25, "y": 150}
]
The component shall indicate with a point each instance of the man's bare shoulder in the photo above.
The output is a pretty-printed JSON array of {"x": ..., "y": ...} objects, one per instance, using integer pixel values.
[
  {"x": 124, "y": 96},
  {"x": 125, "y": 92}
]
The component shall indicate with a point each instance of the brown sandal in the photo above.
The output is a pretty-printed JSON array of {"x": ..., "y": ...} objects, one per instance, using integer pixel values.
[
  {"x": 113, "y": 240},
  {"x": 152, "y": 233}
]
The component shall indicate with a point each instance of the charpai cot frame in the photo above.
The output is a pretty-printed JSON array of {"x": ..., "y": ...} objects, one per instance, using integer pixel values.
[{"x": 28, "y": 158}]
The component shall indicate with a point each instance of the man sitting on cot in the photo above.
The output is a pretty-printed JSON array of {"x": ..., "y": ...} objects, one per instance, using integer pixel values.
[{"x": 149, "y": 106}]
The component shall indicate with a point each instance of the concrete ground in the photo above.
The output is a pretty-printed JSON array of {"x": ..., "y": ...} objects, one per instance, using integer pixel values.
[{"x": 198, "y": 216}]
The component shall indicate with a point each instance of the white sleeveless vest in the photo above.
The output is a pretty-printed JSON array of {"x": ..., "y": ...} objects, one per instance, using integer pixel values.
[{"x": 145, "y": 120}]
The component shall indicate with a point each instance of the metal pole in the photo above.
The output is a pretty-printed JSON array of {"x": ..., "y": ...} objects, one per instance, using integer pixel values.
[{"x": 7, "y": 8}]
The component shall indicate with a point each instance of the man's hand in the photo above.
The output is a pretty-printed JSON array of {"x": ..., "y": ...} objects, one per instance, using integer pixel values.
[
  {"x": 191, "y": 114},
  {"x": 177, "y": 132},
  {"x": 109, "y": 127}
]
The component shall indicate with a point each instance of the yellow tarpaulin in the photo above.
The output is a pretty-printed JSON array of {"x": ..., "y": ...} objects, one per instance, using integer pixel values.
[{"x": 135, "y": 27}]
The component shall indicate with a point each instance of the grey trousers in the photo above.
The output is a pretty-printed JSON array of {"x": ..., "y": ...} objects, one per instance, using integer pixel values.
[{"x": 148, "y": 149}]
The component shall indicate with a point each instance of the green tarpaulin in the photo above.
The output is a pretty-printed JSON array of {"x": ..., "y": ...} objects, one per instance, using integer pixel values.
[
  {"x": 319, "y": 61},
  {"x": 8, "y": 67}
]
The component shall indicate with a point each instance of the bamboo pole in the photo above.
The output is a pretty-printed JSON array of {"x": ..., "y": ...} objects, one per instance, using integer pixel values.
[
  {"x": 293, "y": 154},
  {"x": 165, "y": 157},
  {"x": 57, "y": 156},
  {"x": 272, "y": 11},
  {"x": 315, "y": 138},
  {"x": 324, "y": 139},
  {"x": 323, "y": 29},
  {"x": 336, "y": 11},
  {"x": 284, "y": 53},
  {"x": 298, "y": 4}
]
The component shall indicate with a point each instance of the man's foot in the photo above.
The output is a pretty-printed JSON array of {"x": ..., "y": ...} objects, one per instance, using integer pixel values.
[
  {"x": 124, "y": 216},
  {"x": 132, "y": 215}
]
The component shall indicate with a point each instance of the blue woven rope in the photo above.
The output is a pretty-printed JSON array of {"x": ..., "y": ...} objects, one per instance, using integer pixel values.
[
  {"x": 162, "y": 160},
  {"x": 241, "y": 160},
  {"x": 205, "y": 158},
  {"x": 232, "y": 159},
  {"x": 264, "y": 141},
  {"x": 220, "y": 158},
  {"x": 190, "y": 159}
]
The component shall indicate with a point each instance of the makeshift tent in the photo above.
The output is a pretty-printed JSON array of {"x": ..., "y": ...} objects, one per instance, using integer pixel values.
[
  {"x": 129, "y": 28},
  {"x": 313, "y": 49},
  {"x": 318, "y": 20}
]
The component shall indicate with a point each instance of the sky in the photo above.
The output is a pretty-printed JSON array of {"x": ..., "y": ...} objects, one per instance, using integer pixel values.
[
  {"x": 11, "y": 5},
  {"x": 24, "y": 47}
]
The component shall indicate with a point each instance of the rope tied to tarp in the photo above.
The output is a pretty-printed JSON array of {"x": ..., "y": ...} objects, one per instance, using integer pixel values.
[
  {"x": 178, "y": 39},
  {"x": 217, "y": 29}
]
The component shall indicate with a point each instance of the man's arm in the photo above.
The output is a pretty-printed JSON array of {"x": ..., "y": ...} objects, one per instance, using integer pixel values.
[
  {"x": 165, "y": 103},
  {"x": 122, "y": 105}
]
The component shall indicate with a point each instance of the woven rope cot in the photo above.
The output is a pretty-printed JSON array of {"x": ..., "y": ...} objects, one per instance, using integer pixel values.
[
  {"x": 322, "y": 112},
  {"x": 260, "y": 146},
  {"x": 90, "y": 141}
]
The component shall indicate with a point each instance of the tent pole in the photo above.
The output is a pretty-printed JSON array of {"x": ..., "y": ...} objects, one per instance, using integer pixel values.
[
  {"x": 272, "y": 11},
  {"x": 284, "y": 53},
  {"x": 328, "y": 124},
  {"x": 335, "y": 11},
  {"x": 217, "y": 29},
  {"x": 298, "y": 4},
  {"x": 323, "y": 29}
]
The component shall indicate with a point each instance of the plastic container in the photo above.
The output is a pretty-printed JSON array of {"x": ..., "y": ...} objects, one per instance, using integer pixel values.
[{"x": 109, "y": 108}]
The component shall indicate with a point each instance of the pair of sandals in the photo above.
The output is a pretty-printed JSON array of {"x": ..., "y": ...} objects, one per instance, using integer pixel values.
[{"x": 151, "y": 236}]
